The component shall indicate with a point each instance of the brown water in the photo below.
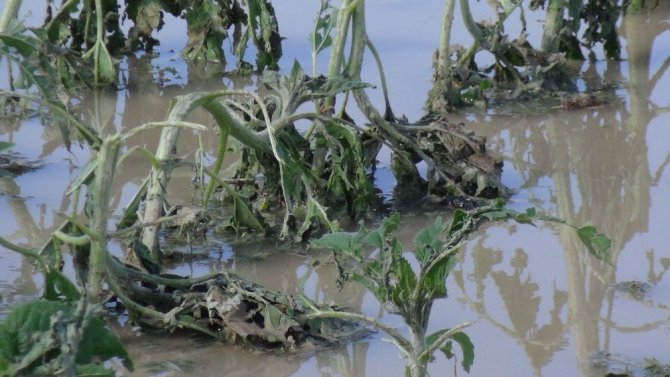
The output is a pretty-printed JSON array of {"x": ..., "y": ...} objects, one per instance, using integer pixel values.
[{"x": 541, "y": 305}]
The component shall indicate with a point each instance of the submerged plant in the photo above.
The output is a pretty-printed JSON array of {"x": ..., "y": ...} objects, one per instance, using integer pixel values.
[{"x": 387, "y": 273}]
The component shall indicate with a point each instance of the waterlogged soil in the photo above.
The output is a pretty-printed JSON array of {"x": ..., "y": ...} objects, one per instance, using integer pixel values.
[{"x": 540, "y": 305}]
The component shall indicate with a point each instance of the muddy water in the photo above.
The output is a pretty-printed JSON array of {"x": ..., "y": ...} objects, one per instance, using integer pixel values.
[{"x": 540, "y": 304}]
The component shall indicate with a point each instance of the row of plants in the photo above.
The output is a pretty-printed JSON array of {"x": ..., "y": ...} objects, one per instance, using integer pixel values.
[{"x": 314, "y": 177}]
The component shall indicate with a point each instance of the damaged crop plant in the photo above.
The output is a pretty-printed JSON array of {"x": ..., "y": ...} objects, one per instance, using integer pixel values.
[{"x": 297, "y": 176}]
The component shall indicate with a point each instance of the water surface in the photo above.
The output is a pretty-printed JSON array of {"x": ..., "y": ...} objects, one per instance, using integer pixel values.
[{"x": 540, "y": 304}]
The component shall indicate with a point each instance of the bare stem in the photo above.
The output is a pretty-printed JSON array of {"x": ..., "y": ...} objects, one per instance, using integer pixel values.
[
  {"x": 443, "y": 62},
  {"x": 9, "y": 13},
  {"x": 104, "y": 174}
]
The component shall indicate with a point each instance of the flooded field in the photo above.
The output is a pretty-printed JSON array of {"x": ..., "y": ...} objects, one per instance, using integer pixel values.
[{"x": 541, "y": 306}]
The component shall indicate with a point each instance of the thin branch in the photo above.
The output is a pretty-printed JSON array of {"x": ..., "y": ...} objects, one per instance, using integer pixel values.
[{"x": 443, "y": 338}]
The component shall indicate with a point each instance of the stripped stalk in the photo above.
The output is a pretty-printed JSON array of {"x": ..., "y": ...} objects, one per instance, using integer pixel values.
[
  {"x": 388, "y": 112},
  {"x": 553, "y": 25},
  {"x": 9, "y": 13},
  {"x": 159, "y": 178},
  {"x": 443, "y": 62},
  {"x": 108, "y": 157},
  {"x": 221, "y": 153}
]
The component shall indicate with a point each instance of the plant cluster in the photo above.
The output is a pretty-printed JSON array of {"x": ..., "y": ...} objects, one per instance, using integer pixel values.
[
  {"x": 376, "y": 259},
  {"x": 310, "y": 167}
]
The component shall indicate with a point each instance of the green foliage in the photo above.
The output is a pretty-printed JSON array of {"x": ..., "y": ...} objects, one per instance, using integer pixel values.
[
  {"x": 597, "y": 243},
  {"x": 387, "y": 273},
  {"x": 654, "y": 368},
  {"x": 4, "y": 145},
  {"x": 467, "y": 348},
  {"x": 46, "y": 338},
  {"x": 103, "y": 66},
  {"x": 320, "y": 38}
]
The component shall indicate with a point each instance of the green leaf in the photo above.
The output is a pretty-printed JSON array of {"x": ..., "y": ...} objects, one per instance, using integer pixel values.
[
  {"x": 244, "y": 216},
  {"x": 85, "y": 176},
  {"x": 338, "y": 241},
  {"x": 326, "y": 20},
  {"x": 93, "y": 370},
  {"x": 467, "y": 348},
  {"x": 457, "y": 221},
  {"x": 99, "y": 343},
  {"x": 5, "y": 145},
  {"x": 21, "y": 43},
  {"x": 402, "y": 282},
  {"x": 103, "y": 65},
  {"x": 597, "y": 244},
  {"x": 427, "y": 242},
  {"x": 57, "y": 286},
  {"x": 434, "y": 279}
]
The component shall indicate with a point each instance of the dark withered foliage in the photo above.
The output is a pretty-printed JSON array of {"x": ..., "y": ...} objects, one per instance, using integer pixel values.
[
  {"x": 234, "y": 310},
  {"x": 209, "y": 24},
  {"x": 599, "y": 17}
]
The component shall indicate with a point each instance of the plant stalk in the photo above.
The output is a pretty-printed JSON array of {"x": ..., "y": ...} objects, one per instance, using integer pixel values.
[
  {"x": 552, "y": 26},
  {"x": 9, "y": 13},
  {"x": 104, "y": 175},
  {"x": 443, "y": 62}
]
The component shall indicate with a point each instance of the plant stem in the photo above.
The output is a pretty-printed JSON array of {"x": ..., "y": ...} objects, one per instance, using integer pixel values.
[
  {"x": 28, "y": 253},
  {"x": 64, "y": 8},
  {"x": 443, "y": 338},
  {"x": 9, "y": 13},
  {"x": 339, "y": 42},
  {"x": 388, "y": 112},
  {"x": 104, "y": 174},
  {"x": 221, "y": 153},
  {"x": 552, "y": 26},
  {"x": 443, "y": 62},
  {"x": 404, "y": 345},
  {"x": 99, "y": 40},
  {"x": 471, "y": 25}
]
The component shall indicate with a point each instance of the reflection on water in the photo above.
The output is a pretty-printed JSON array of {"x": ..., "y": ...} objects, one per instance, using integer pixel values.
[{"x": 543, "y": 306}]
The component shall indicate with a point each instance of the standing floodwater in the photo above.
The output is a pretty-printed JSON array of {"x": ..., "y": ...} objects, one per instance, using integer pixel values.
[{"x": 541, "y": 306}]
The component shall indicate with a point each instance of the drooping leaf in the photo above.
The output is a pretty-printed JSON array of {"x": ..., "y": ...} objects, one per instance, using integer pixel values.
[
  {"x": 401, "y": 282},
  {"x": 22, "y": 44},
  {"x": 103, "y": 65},
  {"x": 326, "y": 20},
  {"x": 597, "y": 244},
  {"x": 57, "y": 286},
  {"x": 467, "y": 348},
  {"x": 98, "y": 343},
  {"x": 245, "y": 217},
  {"x": 86, "y": 175},
  {"x": 338, "y": 241},
  {"x": 427, "y": 241},
  {"x": 457, "y": 221},
  {"x": 434, "y": 278}
]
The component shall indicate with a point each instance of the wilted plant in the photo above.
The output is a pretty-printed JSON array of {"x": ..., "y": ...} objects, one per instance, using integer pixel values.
[{"x": 388, "y": 274}]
